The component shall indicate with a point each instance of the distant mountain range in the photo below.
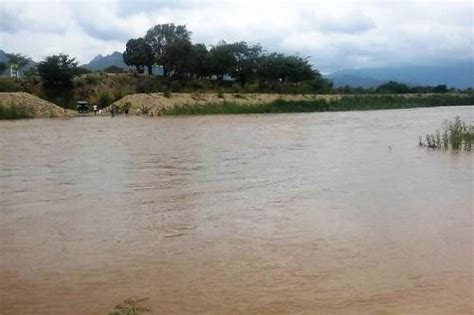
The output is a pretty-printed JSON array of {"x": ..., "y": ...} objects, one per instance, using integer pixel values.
[
  {"x": 101, "y": 62},
  {"x": 458, "y": 75}
]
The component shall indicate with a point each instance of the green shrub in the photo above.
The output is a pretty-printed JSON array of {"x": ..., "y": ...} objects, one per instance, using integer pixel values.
[
  {"x": 175, "y": 86},
  {"x": 9, "y": 111},
  {"x": 104, "y": 100},
  {"x": 9, "y": 85},
  {"x": 92, "y": 79}
]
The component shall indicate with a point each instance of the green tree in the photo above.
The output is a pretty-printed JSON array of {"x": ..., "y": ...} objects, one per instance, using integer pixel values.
[
  {"x": 17, "y": 62},
  {"x": 56, "y": 74},
  {"x": 3, "y": 67},
  {"x": 160, "y": 36},
  {"x": 392, "y": 87},
  {"x": 177, "y": 57},
  {"x": 281, "y": 68},
  {"x": 138, "y": 53},
  {"x": 245, "y": 60},
  {"x": 441, "y": 89},
  {"x": 199, "y": 64},
  {"x": 221, "y": 60}
]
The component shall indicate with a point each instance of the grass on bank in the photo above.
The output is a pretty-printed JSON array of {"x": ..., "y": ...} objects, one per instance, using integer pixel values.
[
  {"x": 345, "y": 103},
  {"x": 456, "y": 135},
  {"x": 8, "y": 111}
]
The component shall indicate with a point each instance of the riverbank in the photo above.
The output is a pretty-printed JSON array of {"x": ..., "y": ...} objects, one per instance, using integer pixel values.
[
  {"x": 335, "y": 103},
  {"x": 20, "y": 105},
  {"x": 23, "y": 105},
  {"x": 157, "y": 104}
]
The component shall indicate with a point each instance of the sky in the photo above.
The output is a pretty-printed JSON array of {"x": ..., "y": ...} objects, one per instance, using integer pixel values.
[{"x": 336, "y": 34}]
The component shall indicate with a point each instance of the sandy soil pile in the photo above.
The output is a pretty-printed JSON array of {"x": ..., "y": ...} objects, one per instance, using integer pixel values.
[
  {"x": 36, "y": 106},
  {"x": 157, "y": 102}
]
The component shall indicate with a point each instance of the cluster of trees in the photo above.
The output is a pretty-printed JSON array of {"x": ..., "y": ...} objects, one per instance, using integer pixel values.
[
  {"x": 393, "y": 87},
  {"x": 169, "y": 46}
]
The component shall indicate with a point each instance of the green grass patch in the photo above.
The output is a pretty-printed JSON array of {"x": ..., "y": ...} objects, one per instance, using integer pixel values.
[
  {"x": 345, "y": 103},
  {"x": 456, "y": 135},
  {"x": 8, "y": 111}
]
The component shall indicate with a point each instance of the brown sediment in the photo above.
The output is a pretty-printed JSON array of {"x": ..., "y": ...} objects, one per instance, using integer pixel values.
[{"x": 37, "y": 107}]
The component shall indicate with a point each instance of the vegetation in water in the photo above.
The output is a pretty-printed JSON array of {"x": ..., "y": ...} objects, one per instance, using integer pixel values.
[
  {"x": 345, "y": 103},
  {"x": 130, "y": 307},
  {"x": 456, "y": 135}
]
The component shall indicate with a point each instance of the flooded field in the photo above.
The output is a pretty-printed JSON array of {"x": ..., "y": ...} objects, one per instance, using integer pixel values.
[{"x": 324, "y": 213}]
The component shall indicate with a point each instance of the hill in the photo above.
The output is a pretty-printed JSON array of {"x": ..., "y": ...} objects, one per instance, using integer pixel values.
[
  {"x": 459, "y": 75},
  {"x": 101, "y": 62}
]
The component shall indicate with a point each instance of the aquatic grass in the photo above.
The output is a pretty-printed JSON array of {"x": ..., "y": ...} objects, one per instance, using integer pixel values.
[
  {"x": 9, "y": 111},
  {"x": 345, "y": 103},
  {"x": 456, "y": 135}
]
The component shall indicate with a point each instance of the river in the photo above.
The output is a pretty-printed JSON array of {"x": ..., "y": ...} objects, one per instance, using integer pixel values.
[{"x": 321, "y": 213}]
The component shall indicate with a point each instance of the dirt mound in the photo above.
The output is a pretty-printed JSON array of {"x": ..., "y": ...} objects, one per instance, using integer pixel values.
[
  {"x": 156, "y": 103},
  {"x": 31, "y": 106}
]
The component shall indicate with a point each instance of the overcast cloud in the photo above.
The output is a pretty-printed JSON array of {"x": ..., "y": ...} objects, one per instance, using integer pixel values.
[{"x": 335, "y": 34}]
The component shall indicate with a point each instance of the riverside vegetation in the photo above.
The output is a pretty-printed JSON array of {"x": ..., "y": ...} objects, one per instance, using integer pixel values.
[
  {"x": 344, "y": 103},
  {"x": 186, "y": 67},
  {"x": 456, "y": 135}
]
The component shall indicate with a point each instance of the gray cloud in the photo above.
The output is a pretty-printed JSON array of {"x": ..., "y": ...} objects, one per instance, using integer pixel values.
[{"x": 336, "y": 34}]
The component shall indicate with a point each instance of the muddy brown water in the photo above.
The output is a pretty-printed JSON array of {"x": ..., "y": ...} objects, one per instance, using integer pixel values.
[{"x": 251, "y": 214}]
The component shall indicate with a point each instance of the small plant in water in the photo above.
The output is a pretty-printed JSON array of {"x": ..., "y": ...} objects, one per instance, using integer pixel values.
[
  {"x": 456, "y": 135},
  {"x": 130, "y": 307}
]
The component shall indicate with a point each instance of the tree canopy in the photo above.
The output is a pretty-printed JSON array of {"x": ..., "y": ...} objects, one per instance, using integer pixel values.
[
  {"x": 57, "y": 71},
  {"x": 170, "y": 47},
  {"x": 138, "y": 53},
  {"x": 162, "y": 35}
]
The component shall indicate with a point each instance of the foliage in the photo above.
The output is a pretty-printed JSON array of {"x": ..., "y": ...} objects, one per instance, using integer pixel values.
[
  {"x": 138, "y": 53},
  {"x": 148, "y": 85},
  {"x": 8, "y": 111},
  {"x": 456, "y": 135},
  {"x": 57, "y": 71},
  {"x": 176, "y": 57},
  {"x": 160, "y": 36},
  {"x": 114, "y": 69},
  {"x": 345, "y": 103},
  {"x": 17, "y": 61},
  {"x": 9, "y": 85},
  {"x": 104, "y": 100},
  {"x": 392, "y": 87},
  {"x": 3, "y": 67},
  {"x": 92, "y": 79}
]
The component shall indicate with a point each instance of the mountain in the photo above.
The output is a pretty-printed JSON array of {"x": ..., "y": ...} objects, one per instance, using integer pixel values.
[
  {"x": 3, "y": 56},
  {"x": 101, "y": 62},
  {"x": 458, "y": 75}
]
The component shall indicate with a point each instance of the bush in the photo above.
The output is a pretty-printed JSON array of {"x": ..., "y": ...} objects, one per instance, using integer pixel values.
[
  {"x": 166, "y": 92},
  {"x": 9, "y": 111},
  {"x": 176, "y": 86},
  {"x": 149, "y": 84},
  {"x": 92, "y": 79},
  {"x": 104, "y": 100},
  {"x": 9, "y": 85}
]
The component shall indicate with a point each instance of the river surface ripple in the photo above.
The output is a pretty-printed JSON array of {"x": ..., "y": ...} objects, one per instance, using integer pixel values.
[{"x": 322, "y": 213}]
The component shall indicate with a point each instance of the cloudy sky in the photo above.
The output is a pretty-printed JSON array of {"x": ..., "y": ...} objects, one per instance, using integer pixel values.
[{"x": 336, "y": 34}]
